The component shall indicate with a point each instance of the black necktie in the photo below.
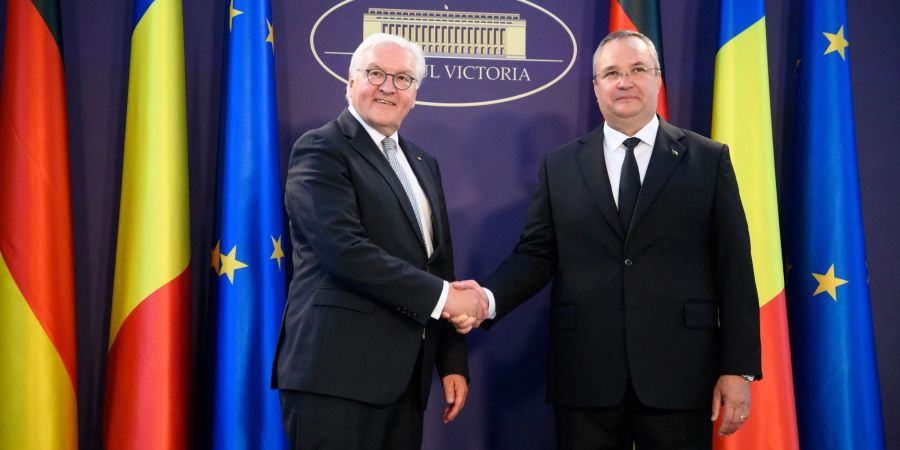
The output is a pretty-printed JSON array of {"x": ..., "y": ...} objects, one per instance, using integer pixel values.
[{"x": 629, "y": 183}]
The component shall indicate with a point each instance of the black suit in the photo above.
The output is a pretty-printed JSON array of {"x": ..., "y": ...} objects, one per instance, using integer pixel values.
[
  {"x": 358, "y": 313},
  {"x": 670, "y": 304}
]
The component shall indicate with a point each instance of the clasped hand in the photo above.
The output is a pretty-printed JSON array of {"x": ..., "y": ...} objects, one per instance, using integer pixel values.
[{"x": 466, "y": 307}]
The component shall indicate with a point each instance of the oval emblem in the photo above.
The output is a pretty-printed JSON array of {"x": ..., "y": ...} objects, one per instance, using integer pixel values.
[{"x": 476, "y": 54}]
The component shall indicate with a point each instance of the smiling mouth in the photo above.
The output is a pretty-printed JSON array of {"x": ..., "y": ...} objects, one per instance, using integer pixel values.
[{"x": 384, "y": 102}]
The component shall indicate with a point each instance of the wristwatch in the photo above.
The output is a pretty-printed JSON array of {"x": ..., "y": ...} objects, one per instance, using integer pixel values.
[{"x": 749, "y": 378}]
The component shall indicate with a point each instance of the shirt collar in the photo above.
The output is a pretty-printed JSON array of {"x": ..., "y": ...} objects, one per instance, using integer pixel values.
[
  {"x": 376, "y": 136},
  {"x": 647, "y": 134}
]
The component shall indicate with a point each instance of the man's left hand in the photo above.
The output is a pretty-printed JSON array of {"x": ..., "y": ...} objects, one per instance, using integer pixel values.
[
  {"x": 731, "y": 398},
  {"x": 455, "y": 391}
]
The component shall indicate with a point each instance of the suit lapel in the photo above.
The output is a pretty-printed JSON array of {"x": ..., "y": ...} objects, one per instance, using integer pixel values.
[
  {"x": 667, "y": 154},
  {"x": 592, "y": 165},
  {"x": 429, "y": 184},
  {"x": 362, "y": 143}
]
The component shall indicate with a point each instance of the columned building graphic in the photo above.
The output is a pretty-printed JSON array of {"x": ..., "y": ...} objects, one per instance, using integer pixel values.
[{"x": 452, "y": 33}]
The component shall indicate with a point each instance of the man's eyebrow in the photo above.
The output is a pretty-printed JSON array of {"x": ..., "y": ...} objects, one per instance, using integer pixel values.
[
  {"x": 373, "y": 65},
  {"x": 616, "y": 66}
]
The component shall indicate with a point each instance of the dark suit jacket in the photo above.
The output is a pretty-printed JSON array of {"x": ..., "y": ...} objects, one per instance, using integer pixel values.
[
  {"x": 363, "y": 289},
  {"x": 671, "y": 302}
]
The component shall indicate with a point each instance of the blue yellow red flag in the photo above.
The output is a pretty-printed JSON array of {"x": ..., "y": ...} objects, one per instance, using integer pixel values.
[
  {"x": 742, "y": 119},
  {"x": 838, "y": 399},
  {"x": 149, "y": 364},
  {"x": 247, "y": 259}
]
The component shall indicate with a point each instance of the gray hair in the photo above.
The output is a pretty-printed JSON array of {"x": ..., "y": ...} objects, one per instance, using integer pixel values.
[
  {"x": 624, "y": 34},
  {"x": 378, "y": 39}
]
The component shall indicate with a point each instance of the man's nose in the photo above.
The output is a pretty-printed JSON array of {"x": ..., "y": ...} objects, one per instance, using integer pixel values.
[
  {"x": 625, "y": 82},
  {"x": 388, "y": 86}
]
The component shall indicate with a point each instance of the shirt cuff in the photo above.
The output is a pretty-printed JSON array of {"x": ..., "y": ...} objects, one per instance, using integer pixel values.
[
  {"x": 442, "y": 300},
  {"x": 492, "y": 305}
]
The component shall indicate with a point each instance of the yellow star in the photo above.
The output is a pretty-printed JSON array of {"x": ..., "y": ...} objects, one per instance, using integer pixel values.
[
  {"x": 230, "y": 263},
  {"x": 828, "y": 283},
  {"x": 271, "y": 37},
  {"x": 277, "y": 252},
  {"x": 232, "y": 13},
  {"x": 836, "y": 42},
  {"x": 214, "y": 258}
]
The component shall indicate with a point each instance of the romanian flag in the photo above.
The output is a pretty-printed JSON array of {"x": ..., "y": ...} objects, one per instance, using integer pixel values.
[
  {"x": 742, "y": 119},
  {"x": 247, "y": 261},
  {"x": 641, "y": 16},
  {"x": 147, "y": 374},
  {"x": 838, "y": 399},
  {"x": 37, "y": 289}
]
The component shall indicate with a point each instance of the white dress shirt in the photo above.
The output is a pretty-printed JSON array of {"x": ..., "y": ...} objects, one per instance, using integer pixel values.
[{"x": 614, "y": 152}]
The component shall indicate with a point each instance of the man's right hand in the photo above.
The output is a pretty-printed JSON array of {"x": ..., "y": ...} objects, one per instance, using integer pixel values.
[{"x": 466, "y": 306}]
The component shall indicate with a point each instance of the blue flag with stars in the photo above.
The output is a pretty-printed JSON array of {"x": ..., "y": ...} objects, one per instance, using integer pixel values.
[
  {"x": 248, "y": 255},
  {"x": 835, "y": 372}
]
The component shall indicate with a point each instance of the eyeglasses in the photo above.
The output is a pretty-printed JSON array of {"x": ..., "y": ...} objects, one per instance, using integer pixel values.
[
  {"x": 378, "y": 77},
  {"x": 615, "y": 76}
]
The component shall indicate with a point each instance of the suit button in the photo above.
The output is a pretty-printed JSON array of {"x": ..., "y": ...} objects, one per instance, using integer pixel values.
[{"x": 629, "y": 263}]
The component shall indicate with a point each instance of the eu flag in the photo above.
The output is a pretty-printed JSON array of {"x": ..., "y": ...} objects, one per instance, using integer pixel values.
[
  {"x": 248, "y": 254},
  {"x": 835, "y": 373}
]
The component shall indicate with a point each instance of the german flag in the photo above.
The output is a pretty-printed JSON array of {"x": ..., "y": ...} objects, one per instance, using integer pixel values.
[
  {"x": 148, "y": 368},
  {"x": 742, "y": 119},
  {"x": 38, "y": 409},
  {"x": 642, "y": 16}
]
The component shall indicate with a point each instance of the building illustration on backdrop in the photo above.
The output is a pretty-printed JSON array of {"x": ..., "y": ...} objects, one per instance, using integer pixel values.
[{"x": 457, "y": 34}]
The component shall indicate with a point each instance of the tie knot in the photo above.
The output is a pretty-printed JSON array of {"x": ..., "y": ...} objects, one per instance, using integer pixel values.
[
  {"x": 631, "y": 143},
  {"x": 389, "y": 145}
]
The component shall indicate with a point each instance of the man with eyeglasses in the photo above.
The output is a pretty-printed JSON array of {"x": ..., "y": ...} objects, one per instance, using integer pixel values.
[
  {"x": 362, "y": 329},
  {"x": 654, "y": 320}
]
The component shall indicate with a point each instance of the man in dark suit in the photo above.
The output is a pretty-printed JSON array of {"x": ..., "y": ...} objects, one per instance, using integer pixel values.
[
  {"x": 654, "y": 316},
  {"x": 361, "y": 332}
]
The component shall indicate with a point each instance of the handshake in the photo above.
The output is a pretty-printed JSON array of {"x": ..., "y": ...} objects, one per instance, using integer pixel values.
[{"x": 466, "y": 306}]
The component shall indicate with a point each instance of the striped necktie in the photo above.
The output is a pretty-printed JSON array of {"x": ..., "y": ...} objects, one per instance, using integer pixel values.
[{"x": 390, "y": 150}]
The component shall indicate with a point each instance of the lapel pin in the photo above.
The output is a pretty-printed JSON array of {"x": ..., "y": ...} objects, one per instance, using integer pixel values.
[
  {"x": 418, "y": 157},
  {"x": 674, "y": 152}
]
